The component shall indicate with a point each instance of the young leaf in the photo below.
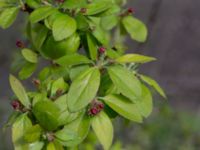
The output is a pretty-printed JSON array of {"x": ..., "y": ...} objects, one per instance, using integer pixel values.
[
  {"x": 63, "y": 27},
  {"x": 30, "y": 55},
  {"x": 92, "y": 46},
  {"x": 135, "y": 28},
  {"x": 97, "y": 7},
  {"x": 41, "y": 13},
  {"x": 47, "y": 113},
  {"x": 144, "y": 103},
  {"x": 33, "y": 134},
  {"x": 124, "y": 107},
  {"x": 71, "y": 4},
  {"x": 77, "y": 70},
  {"x": 72, "y": 59},
  {"x": 125, "y": 82},
  {"x": 103, "y": 129},
  {"x": 59, "y": 84},
  {"x": 83, "y": 89},
  {"x": 54, "y": 146},
  {"x": 27, "y": 70},
  {"x": 8, "y": 16},
  {"x": 18, "y": 130},
  {"x": 154, "y": 84},
  {"x": 134, "y": 58},
  {"x": 19, "y": 91},
  {"x": 109, "y": 22},
  {"x": 36, "y": 146}
]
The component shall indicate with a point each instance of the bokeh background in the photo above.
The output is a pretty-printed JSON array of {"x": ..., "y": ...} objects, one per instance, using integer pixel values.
[{"x": 174, "y": 39}]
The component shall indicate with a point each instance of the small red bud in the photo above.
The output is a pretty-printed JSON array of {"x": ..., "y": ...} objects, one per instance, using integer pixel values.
[
  {"x": 101, "y": 106},
  {"x": 36, "y": 82},
  {"x": 16, "y": 104},
  {"x": 20, "y": 44},
  {"x": 102, "y": 49},
  {"x": 130, "y": 10},
  {"x": 94, "y": 111},
  {"x": 83, "y": 10}
]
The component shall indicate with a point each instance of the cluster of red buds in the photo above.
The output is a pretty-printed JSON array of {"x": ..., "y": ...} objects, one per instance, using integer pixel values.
[
  {"x": 20, "y": 44},
  {"x": 16, "y": 104},
  {"x": 95, "y": 108},
  {"x": 102, "y": 50}
]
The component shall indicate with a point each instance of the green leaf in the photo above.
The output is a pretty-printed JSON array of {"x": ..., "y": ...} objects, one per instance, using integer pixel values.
[
  {"x": 36, "y": 146},
  {"x": 18, "y": 130},
  {"x": 77, "y": 70},
  {"x": 82, "y": 23},
  {"x": 72, "y": 59},
  {"x": 134, "y": 58},
  {"x": 71, "y": 4},
  {"x": 19, "y": 91},
  {"x": 112, "y": 54},
  {"x": 47, "y": 113},
  {"x": 54, "y": 146},
  {"x": 30, "y": 55},
  {"x": 124, "y": 107},
  {"x": 109, "y": 22},
  {"x": 27, "y": 70},
  {"x": 92, "y": 46},
  {"x": 63, "y": 27},
  {"x": 103, "y": 129},
  {"x": 66, "y": 135},
  {"x": 8, "y": 16},
  {"x": 144, "y": 103},
  {"x": 59, "y": 84},
  {"x": 41, "y": 13},
  {"x": 81, "y": 126},
  {"x": 33, "y": 3},
  {"x": 136, "y": 29},
  {"x": 83, "y": 89},
  {"x": 97, "y": 7},
  {"x": 154, "y": 84},
  {"x": 65, "y": 116},
  {"x": 12, "y": 118},
  {"x": 33, "y": 134},
  {"x": 125, "y": 82}
]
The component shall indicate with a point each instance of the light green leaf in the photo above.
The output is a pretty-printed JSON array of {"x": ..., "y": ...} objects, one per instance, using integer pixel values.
[
  {"x": 109, "y": 22},
  {"x": 47, "y": 113},
  {"x": 71, "y": 4},
  {"x": 18, "y": 129},
  {"x": 103, "y": 129},
  {"x": 83, "y": 89},
  {"x": 63, "y": 27},
  {"x": 125, "y": 82},
  {"x": 124, "y": 107},
  {"x": 33, "y": 134},
  {"x": 134, "y": 58},
  {"x": 145, "y": 103},
  {"x": 8, "y": 16},
  {"x": 27, "y": 70},
  {"x": 59, "y": 84},
  {"x": 136, "y": 29},
  {"x": 36, "y": 146},
  {"x": 41, "y": 13},
  {"x": 77, "y": 70},
  {"x": 54, "y": 146},
  {"x": 92, "y": 46},
  {"x": 19, "y": 91},
  {"x": 30, "y": 55},
  {"x": 154, "y": 84},
  {"x": 97, "y": 7},
  {"x": 72, "y": 59}
]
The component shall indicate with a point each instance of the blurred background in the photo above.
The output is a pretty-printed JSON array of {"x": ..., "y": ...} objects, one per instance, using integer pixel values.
[{"x": 174, "y": 39}]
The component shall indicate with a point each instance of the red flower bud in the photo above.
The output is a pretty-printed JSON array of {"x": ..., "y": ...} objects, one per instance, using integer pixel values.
[
  {"x": 93, "y": 111},
  {"x": 83, "y": 10},
  {"x": 102, "y": 49},
  {"x": 20, "y": 44},
  {"x": 130, "y": 10},
  {"x": 36, "y": 82},
  {"x": 16, "y": 104}
]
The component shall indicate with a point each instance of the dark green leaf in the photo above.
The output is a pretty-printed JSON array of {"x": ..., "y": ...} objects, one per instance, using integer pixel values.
[{"x": 47, "y": 114}]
